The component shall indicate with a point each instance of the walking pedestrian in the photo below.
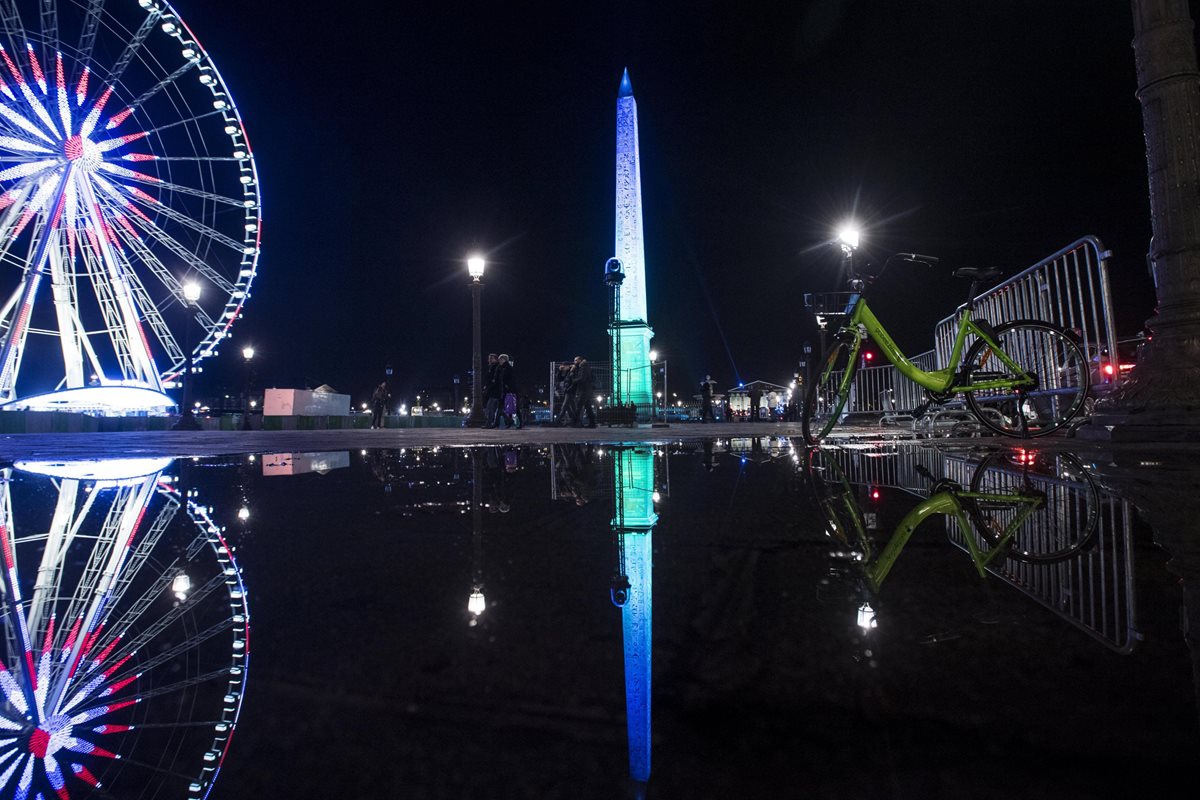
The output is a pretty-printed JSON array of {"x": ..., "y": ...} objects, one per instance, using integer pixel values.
[
  {"x": 379, "y": 404},
  {"x": 564, "y": 412},
  {"x": 491, "y": 399},
  {"x": 706, "y": 399},
  {"x": 755, "y": 401},
  {"x": 581, "y": 382},
  {"x": 504, "y": 386}
]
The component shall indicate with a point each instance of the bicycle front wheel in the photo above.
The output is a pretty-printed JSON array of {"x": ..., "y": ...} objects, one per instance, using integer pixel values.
[
  {"x": 826, "y": 398},
  {"x": 1041, "y": 351},
  {"x": 1068, "y": 512}
]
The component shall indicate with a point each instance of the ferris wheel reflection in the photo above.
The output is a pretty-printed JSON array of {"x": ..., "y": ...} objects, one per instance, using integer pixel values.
[{"x": 127, "y": 633}]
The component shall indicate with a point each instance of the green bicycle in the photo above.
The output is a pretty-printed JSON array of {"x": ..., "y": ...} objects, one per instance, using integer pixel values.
[
  {"x": 1030, "y": 507},
  {"x": 1023, "y": 378}
]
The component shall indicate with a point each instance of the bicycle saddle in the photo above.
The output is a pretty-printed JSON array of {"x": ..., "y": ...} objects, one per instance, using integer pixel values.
[{"x": 977, "y": 273}]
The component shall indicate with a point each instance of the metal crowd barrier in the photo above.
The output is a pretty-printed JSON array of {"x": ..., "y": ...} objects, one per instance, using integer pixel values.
[
  {"x": 1070, "y": 289},
  {"x": 1094, "y": 591},
  {"x": 875, "y": 465},
  {"x": 601, "y": 381}
]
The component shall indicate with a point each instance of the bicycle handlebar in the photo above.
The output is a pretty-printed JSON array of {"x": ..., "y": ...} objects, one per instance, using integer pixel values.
[{"x": 918, "y": 257}]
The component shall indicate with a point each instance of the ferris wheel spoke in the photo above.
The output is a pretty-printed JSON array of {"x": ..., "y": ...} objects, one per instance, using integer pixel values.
[
  {"x": 132, "y": 46},
  {"x": 23, "y": 123},
  {"x": 50, "y": 22},
  {"x": 18, "y": 145},
  {"x": 165, "y": 276},
  {"x": 138, "y": 644},
  {"x": 101, "y": 595},
  {"x": 39, "y": 110},
  {"x": 144, "y": 224},
  {"x": 175, "y": 187},
  {"x": 149, "y": 311},
  {"x": 158, "y": 87},
  {"x": 169, "y": 654},
  {"x": 10, "y": 16},
  {"x": 28, "y": 169},
  {"x": 87, "y": 34},
  {"x": 140, "y": 198},
  {"x": 12, "y": 599},
  {"x": 185, "y": 121},
  {"x": 140, "y": 365}
]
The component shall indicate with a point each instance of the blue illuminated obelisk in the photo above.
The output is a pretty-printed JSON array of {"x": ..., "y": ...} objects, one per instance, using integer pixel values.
[{"x": 632, "y": 332}]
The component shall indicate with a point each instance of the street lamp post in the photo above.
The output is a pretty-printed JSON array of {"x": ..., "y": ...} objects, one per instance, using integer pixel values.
[
  {"x": 476, "y": 604},
  {"x": 660, "y": 365},
  {"x": 475, "y": 265},
  {"x": 247, "y": 355},
  {"x": 187, "y": 420}
]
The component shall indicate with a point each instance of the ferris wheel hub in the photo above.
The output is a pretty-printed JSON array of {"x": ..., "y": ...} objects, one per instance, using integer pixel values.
[
  {"x": 83, "y": 151},
  {"x": 50, "y": 737}
]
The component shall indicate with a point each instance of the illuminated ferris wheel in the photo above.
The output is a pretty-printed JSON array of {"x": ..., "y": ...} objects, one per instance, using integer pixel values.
[
  {"x": 127, "y": 637},
  {"x": 126, "y": 184}
]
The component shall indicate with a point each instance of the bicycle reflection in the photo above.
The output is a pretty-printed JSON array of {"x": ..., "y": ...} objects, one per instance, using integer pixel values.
[{"x": 1034, "y": 520}]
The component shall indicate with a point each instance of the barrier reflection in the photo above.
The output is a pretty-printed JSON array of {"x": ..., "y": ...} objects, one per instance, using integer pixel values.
[
  {"x": 1034, "y": 520},
  {"x": 127, "y": 633}
]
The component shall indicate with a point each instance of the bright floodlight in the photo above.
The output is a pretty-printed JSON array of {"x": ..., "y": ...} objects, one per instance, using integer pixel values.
[
  {"x": 475, "y": 266},
  {"x": 848, "y": 235},
  {"x": 654, "y": 355},
  {"x": 247, "y": 352},
  {"x": 243, "y": 513},
  {"x": 191, "y": 292}
]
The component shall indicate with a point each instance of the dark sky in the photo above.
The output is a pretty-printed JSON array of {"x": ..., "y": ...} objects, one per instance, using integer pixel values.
[{"x": 393, "y": 139}]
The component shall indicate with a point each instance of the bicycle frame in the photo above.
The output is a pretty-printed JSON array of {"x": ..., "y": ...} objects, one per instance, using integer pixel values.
[
  {"x": 843, "y": 512},
  {"x": 864, "y": 324},
  {"x": 949, "y": 503}
]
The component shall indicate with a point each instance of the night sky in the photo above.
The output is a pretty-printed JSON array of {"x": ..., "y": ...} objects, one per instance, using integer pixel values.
[{"x": 394, "y": 139}]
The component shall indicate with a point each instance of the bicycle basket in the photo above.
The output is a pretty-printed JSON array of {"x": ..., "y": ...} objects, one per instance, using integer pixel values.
[{"x": 830, "y": 304}]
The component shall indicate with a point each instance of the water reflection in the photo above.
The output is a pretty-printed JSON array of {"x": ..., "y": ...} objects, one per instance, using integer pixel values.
[
  {"x": 127, "y": 633},
  {"x": 633, "y": 523},
  {"x": 481, "y": 622},
  {"x": 1034, "y": 519},
  {"x": 300, "y": 463}
]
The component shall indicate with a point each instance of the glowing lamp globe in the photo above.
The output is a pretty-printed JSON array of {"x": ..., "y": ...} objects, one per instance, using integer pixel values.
[
  {"x": 475, "y": 265},
  {"x": 848, "y": 235},
  {"x": 475, "y": 603}
]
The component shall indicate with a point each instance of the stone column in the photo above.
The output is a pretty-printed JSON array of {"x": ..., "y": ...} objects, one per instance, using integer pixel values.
[
  {"x": 1162, "y": 397},
  {"x": 1165, "y": 487}
]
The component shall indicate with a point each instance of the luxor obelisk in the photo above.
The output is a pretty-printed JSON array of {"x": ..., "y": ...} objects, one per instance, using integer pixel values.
[{"x": 632, "y": 332}]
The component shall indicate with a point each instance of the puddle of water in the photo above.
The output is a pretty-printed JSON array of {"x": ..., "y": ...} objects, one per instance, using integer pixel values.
[{"x": 734, "y": 617}]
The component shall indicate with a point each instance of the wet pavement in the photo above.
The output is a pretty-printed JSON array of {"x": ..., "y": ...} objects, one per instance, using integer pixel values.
[{"x": 678, "y": 617}]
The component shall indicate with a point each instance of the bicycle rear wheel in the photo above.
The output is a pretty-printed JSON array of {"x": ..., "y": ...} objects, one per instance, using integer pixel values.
[
  {"x": 1043, "y": 351},
  {"x": 826, "y": 397},
  {"x": 1064, "y": 524}
]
